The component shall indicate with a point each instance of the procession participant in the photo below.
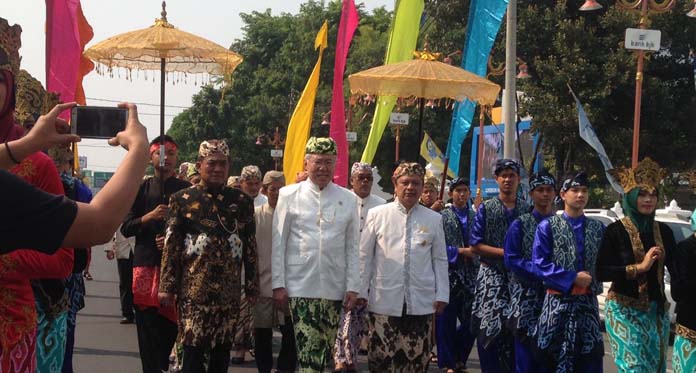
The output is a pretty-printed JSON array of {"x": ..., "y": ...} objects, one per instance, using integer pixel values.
[
  {"x": 491, "y": 303},
  {"x": 249, "y": 183},
  {"x": 564, "y": 254},
  {"x": 352, "y": 326},
  {"x": 210, "y": 236},
  {"x": 683, "y": 287},
  {"x": 156, "y": 324},
  {"x": 122, "y": 250},
  {"x": 633, "y": 256},
  {"x": 454, "y": 343},
  {"x": 404, "y": 264},
  {"x": 315, "y": 254},
  {"x": 46, "y": 296},
  {"x": 526, "y": 291},
  {"x": 233, "y": 182},
  {"x": 184, "y": 168},
  {"x": 431, "y": 188},
  {"x": 265, "y": 315}
]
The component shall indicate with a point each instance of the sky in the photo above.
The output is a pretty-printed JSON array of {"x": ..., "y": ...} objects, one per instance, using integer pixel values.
[{"x": 215, "y": 20}]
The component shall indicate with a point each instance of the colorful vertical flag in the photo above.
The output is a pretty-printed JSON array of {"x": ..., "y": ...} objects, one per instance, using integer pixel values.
[
  {"x": 485, "y": 18},
  {"x": 346, "y": 29},
  {"x": 67, "y": 33},
  {"x": 432, "y": 154},
  {"x": 402, "y": 43},
  {"x": 301, "y": 121},
  {"x": 588, "y": 134}
]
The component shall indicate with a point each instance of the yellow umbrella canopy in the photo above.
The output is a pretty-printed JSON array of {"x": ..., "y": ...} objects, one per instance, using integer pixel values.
[
  {"x": 426, "y": 78},
  {"x": 184, "y": 52}
]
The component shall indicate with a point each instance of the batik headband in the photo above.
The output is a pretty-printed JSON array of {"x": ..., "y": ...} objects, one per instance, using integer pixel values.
[
  {"x": 457, "y": 182},
  {"x": 502, "y": 164},
  {"x": 213, "y": 146},
  {"x": 360, "y": 166},
  {"x": 321, "y": 145},
  {"x": 541, "y": 178},
  {"x": 250, "y": 172},
  {"x": 408, "y": 169},
  {"x": 431, "y": 182},
  {"x": 579, "y": 180}
]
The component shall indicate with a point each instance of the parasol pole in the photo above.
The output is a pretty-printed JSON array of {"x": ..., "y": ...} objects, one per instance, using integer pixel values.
[
  {"x": 444, "y": 179},
  {"x": 421, "y": 105},
  {"x": 162, "y": 151}
]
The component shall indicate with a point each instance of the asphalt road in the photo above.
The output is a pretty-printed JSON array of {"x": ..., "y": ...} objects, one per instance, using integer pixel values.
[{"x": 105, "y": 346}]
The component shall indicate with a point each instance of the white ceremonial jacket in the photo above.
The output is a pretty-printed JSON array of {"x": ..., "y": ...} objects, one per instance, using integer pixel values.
[
  {"x": 403, "y": 260},
  {"x": 315, "y": 241},
  {"x": 365, "y": 204}
]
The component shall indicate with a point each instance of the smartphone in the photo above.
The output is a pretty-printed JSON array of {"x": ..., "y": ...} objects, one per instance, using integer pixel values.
[{"x": 97, "y": 122}]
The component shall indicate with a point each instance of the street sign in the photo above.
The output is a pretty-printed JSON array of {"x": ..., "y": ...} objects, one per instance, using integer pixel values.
[
  {"x": 100, "y": 178},
  {"x": 647, "y": 40},
  {"x": 82, "y": 160},
  {"x": 352, "y": 136},
  {"x": 277, "y": 153},
  {"x": 398, "y": 119}
]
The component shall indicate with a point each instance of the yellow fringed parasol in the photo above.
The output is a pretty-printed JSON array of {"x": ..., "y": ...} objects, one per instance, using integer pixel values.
[
  {"x": 424, "y": 78},
  {"x": 163, "y": 47}
]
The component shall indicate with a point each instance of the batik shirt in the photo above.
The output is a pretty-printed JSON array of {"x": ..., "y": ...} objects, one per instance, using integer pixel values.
[{"x": 209, "y": 237}]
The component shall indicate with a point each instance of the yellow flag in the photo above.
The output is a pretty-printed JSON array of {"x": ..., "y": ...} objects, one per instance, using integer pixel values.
[
  {"x": 301, "y": 121},
  {"x": 432, "y": 154}
]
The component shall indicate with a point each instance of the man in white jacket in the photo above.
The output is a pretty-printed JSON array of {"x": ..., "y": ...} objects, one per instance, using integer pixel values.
[
  {"x": 404, "y": 273},
  {"x": 315, "y": 262}
]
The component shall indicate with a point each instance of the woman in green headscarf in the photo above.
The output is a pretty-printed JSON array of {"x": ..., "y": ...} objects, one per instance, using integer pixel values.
[
  {"x": 683, "y": 290},
  {"x": 634, "y": 252}
]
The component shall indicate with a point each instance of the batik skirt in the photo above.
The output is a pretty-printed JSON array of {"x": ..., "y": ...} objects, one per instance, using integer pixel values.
[
  {"x": 145, "y": 291},
  {"x": 638, "y": 338},
  {"x": 351, "y": 328},
  {"x": 491, "y": 303},
  {"x": 50, "y": 342},
  {"x": 526, "y": 300},
  {"x": 684, "y": 354},
  {"x": 569, "y": 333},
  {"x": 21, "y": 356}
]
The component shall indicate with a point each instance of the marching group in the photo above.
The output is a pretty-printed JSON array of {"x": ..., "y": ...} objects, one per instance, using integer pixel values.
[{"x": 214, "y": 265}]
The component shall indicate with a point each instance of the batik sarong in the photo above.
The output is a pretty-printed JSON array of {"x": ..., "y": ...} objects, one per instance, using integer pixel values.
[
  {"x": 315, "y": 325},
  {"x": 525, "y": 306},
  {"x": 21, "y": 356},
  {"x": 684, "y": 353},
  {"x": 638, "y": 338},
  {"x": 400, "y": 344},
  {"x": 351, "y": 328},
  {"x": 569, "y": 334},
  {"x": 50, "y": 342}
]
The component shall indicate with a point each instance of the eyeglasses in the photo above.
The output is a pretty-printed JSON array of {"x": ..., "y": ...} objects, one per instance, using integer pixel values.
[{"x": 364, "y": 177}]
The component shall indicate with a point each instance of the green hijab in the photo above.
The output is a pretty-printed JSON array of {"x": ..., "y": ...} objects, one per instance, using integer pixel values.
[{"x": 644, "y": 223}]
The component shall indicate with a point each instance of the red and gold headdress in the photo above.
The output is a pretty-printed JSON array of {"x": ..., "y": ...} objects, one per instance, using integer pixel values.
[
  {"x": 10, "y": 41},
  {"x": 647, "y": 175}
]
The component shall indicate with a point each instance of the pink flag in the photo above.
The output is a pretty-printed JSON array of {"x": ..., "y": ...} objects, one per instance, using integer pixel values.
[
  {"x": 67, "y": 33},
  {"x": 346, "y": 29}
]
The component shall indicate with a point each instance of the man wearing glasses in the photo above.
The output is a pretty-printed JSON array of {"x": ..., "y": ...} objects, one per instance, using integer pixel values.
[{"x": 315, "y": 264}]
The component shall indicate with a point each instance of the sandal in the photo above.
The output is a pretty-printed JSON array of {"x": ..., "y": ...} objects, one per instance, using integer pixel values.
[{"x": 88, "y": 276}]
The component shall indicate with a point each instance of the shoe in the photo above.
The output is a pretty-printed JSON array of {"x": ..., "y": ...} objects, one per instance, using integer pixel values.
[
  {"x": 362, "y": 351},
  {"x": 88, "y": 276},
  {"x": 126, "y": 320}
]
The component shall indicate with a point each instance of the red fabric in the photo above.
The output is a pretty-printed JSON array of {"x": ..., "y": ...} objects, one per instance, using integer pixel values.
[
  {"x": 145, "y": 288},
  {"x": 67, "y": 32},
  {"x": 346, "y": 29},
  {"x": 20, "y": 358},
  {"x": 168, "y": 145},
  {"x": 8, "y": 129},
  {"x": 17, "y": 305}
]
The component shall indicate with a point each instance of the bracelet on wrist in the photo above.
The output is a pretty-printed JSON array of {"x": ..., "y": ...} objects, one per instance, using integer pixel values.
[{"x": 9, "y": 153}]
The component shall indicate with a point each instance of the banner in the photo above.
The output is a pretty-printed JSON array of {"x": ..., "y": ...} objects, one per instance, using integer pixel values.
[
  {"x": 432, "y": 154},
  {"x": 485, "y": 17},
  {"x": 588, "y": 134},
  {"x": 301, "y": 121},
  {"x": 402, "y": 43},
  {"x": 346, "y": 29}
]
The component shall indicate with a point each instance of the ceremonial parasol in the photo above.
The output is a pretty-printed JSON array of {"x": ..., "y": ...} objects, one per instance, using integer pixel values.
[
  {"x": 424, "y": 78},
  {"x": 167, "y": 49}
]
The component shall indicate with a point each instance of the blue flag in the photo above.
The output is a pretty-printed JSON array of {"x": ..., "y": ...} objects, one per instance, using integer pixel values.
[
  {"x": 588, "y": 134},
  {"x": 485, "y": 17}
]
